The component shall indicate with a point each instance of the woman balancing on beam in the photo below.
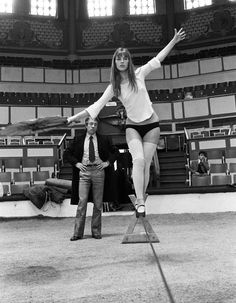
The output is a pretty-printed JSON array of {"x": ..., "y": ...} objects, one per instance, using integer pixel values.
[{"x": 142, "y": 124}]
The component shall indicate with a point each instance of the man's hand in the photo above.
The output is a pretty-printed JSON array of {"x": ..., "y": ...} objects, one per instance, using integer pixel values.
[
  {"x": 103, "y": 165},
  {"x": 81, "y": 166}
]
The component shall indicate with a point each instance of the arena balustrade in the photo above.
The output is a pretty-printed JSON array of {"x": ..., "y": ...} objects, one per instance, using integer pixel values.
[
  {"x": 90, "y": 63},
  {"x": 61, "y": 99}
]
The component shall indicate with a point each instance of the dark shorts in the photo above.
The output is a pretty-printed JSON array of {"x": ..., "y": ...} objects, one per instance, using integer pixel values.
[{"x": 143, "y": 129}]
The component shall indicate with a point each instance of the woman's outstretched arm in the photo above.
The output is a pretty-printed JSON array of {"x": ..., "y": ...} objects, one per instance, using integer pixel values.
[
  {"x": 77, "y": 117},
  {"x": 179, "y": 35},
  {"x": 94, "y": 109}
]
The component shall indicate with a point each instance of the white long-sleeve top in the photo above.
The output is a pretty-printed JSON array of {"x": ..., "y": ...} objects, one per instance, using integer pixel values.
[{"x": 137, "y": 103}]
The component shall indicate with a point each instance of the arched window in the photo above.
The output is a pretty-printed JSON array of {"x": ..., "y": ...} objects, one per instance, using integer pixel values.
[
  {"x": 43, "y": 7},
  {"x": 190, "y": 4},
  {"x": 142, "y": 7},
  {"x": 100, "y": 8},
  {"x": 6, "y": 6}
]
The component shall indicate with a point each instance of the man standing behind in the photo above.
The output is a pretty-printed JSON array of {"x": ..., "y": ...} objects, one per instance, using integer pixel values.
[{"x": 91, "y": 156}]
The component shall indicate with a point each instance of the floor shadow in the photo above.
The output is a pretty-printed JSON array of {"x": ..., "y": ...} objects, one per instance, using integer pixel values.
[{"x": 34, "y": 275}]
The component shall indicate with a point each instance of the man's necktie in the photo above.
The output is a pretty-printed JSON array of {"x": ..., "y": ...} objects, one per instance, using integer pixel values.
[{"x": 91, "y": 150}]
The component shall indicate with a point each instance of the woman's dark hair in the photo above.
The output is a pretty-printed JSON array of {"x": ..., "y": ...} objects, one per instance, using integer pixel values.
[{"x": 115, "y": 77}]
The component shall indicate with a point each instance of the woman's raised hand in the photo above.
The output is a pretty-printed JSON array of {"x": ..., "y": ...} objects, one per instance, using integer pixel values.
[
  {"x": 179, "y": 35},
  {"x": 69, "y": 120}
]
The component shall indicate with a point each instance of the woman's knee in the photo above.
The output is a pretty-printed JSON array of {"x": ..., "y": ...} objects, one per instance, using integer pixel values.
[
  {"x": 136, "y": 149},
  {"x": 149, "y": 151},
  {"x": 139, "y": 162}
]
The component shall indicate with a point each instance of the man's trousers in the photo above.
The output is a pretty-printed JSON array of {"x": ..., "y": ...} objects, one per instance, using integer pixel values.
[{"x": 95, "y": 178}]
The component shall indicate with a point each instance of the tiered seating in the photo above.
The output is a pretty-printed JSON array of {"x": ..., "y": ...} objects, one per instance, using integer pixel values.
[
  {"x": 199, "y": 91},
  {"x": 3, "y": 141},
  {"x": 48, "y": 164},
  {"x": 222, "y": 168},
  {"x": 26, "y": 170},
  {"x": 29, "y": 140},
  {"x": 39, "y": 177},
  {"x": 15, "y": 182},
  {"x": 232, "y": 171},
  {"x": 22, "y": 177},
  {"x": 216, "y": 156},
  {"x": 177, "y": 94},
  {"x": 30, "y": 164},
  {"x": 93, "y": 63},
  {"x": 231, "y": 87},
  {"x": 173, "y": 142},
  {"x": 12, "y": 165},
  {"x": 219, "y": 174},
  {"x": 210, "y": 89},
  {"x": 222, "y": 160},
  {"x": 6, "y": 180},
  {"x": 14, "y": 140},
  {"x": 201, "y": 181},
  {"x": 21, "y": 180},
  {"x": 221, "y": 180},
  {"x": 209, "y": 132},
  {"x": 230, "y": 155},
  {"x": 80, "y": 99},
  {"x": 67, "y": 100}
]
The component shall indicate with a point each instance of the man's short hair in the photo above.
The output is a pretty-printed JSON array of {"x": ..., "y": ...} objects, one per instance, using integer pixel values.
[
  {"x": 203, "y": 153},
  {"x": 86, "y": 120}
]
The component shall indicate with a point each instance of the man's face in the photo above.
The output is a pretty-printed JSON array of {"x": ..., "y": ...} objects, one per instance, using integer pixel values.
[
  {"x": 91, "y": 126},
  {"x": 202, "y": 157}
]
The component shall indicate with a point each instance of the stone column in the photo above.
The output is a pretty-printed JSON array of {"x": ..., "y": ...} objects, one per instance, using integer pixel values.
[{"x": 72, "y": 28}]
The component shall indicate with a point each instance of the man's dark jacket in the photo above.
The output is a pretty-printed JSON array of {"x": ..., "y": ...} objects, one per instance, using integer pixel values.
[{"x": 107, "y": 152}]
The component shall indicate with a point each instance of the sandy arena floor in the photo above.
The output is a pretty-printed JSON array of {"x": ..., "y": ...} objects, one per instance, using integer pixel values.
[{"x": 197, "y": 253}]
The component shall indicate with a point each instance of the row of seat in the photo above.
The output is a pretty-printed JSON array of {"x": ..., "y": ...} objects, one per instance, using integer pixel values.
[
  {"x": 214, "y": 180},
  {"x": 25, "y": 162},
  {"x": 53, "y": 99},
  {"x": 95, "y": 63},
  {"x": 25, "y": 177},
  {"x": 66, "y": 99},
  {"x": 217, "y": 155},
  {"x": 21, "y": 180},
  {"x": 190, "y": 92},
  {"x": 222, "y": 168},
  {"x": 17, "y": 140},
  {"x": 219, "y": 174},
  {"x": 211, "y": 132},
  {"x": 29, "y": 164}
]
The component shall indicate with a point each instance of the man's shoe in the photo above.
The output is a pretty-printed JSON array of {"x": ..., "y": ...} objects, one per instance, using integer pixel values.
[
  {"x": 75, "y": 238},
  {"x": 97, "y": 237}
]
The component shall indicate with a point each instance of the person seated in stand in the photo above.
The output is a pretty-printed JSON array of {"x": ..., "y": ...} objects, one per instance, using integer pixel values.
[
  {"x": 200, "y": 167},
  {"x": 142, "y": 123}
]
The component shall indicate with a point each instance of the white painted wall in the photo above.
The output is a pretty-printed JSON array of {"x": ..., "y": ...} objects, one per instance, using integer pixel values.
[{"x": 156, "y": 204}]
